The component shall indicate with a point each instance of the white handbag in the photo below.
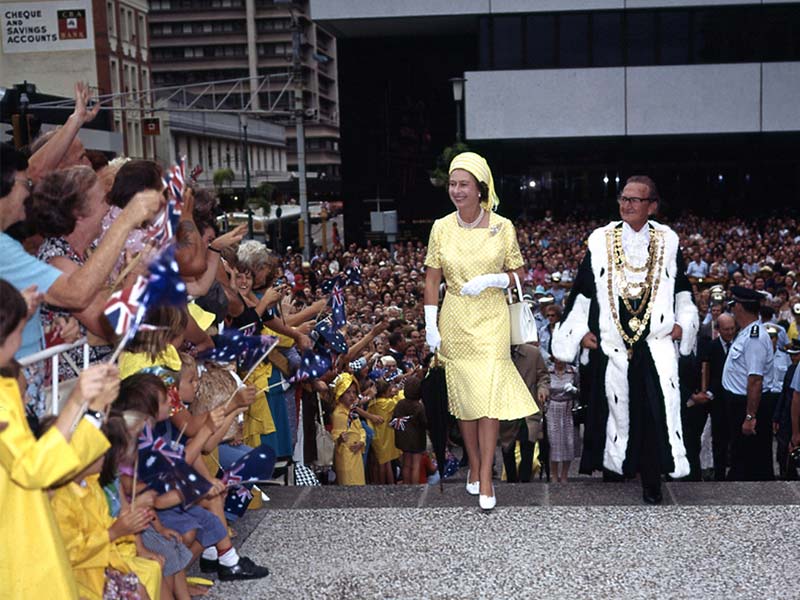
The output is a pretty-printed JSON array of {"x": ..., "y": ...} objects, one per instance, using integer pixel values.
[
  {"x": 326, "y": 447},
  {"x": 523, "y": 325}
]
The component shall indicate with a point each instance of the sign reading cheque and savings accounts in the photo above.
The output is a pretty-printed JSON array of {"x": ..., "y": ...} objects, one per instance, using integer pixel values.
[{"x": 47, "y": 26}]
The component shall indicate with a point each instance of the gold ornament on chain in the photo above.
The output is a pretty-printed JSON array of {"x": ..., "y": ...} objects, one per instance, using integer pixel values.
[{"x": 647, "y": 290}]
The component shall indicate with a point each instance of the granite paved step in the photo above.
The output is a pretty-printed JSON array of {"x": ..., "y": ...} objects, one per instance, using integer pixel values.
[
  {"x": 584, "y": 539},
  {"x": 587, "y": 492}
]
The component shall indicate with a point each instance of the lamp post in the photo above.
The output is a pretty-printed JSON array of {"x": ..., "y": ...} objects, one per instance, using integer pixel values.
[
  {"x": 458, "y": 96},
  {"x": 243, "y": 121},
  {"x": 299, "y": 114}
]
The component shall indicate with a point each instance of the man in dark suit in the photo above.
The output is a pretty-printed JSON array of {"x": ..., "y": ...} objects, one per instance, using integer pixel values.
[{"x": 713, "y": 357}]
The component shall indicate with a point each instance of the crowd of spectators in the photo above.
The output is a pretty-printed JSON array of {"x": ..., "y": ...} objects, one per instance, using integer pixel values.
[{"x": 74, "y": 231}]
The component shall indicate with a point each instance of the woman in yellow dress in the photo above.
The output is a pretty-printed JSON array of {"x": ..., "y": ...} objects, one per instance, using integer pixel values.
[
  {"x": 475, "y": 250},
  {"x": 33, "y": 561},
  {"x": 347, "y": 433}
]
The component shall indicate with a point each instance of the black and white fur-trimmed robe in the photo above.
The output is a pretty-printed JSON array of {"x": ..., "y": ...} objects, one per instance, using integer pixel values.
[{"x": 588, "y": 309}]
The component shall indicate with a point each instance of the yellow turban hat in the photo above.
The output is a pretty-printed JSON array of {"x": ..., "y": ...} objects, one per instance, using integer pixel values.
[
  {"x": 479, "y": 168},
  {"x": 341, "y": 384}
]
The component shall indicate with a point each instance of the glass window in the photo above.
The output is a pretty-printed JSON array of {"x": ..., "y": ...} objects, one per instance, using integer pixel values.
[
  {"x": 673, "y": 37},
  {"x": 640, "y": 38},
  {"x": 540, "y": 37},
  {"x": 781, "y": 31},
  {"x": 607, "y": 39},
  {"x": 507, "y": 37},
  {"x": 484, "y": 40},
  {"x": 573, "y": 40}
]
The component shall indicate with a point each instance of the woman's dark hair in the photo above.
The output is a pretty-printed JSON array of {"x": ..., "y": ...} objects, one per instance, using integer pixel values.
[
  {"x": 57, "y": 200},
  {"x": 133, "y": 177},
  {"x": 13, "y": 309},
  {"x": 483, "y": 189},
  {"x": 117, "y": 435},
  {"x": 206, "y": 205},
  {"x": 11, "y": 162},
  {"x": 140, "y": 391}
]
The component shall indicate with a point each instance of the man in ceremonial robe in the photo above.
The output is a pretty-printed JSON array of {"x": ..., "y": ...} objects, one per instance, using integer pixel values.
[{"x": 630, "y": 305}]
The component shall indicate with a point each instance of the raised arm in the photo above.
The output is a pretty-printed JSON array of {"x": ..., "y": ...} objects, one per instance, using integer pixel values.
[{"x": 48, "y": 157}]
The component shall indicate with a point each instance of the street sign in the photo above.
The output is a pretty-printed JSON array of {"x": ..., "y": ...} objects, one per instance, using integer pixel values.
[{"x": 151, "y": 126}]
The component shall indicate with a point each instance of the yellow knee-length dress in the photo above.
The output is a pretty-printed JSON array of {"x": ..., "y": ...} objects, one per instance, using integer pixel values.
[{"x": 476, "y": 347}]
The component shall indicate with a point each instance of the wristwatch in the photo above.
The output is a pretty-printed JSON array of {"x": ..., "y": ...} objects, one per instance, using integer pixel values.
[
  {"x": 749, "y": 417},
  {"x": 97, "y": 417}
]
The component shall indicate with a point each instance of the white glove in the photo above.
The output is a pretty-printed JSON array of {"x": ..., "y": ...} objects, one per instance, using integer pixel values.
[
  {"x": 432, "y": 337},
  {"x": 477, "y": 284},
  {"x": 570, "y": 389}
]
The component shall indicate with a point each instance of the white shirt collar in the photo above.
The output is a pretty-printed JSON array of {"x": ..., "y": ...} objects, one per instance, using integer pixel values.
[{"x": 635, "y": 245}]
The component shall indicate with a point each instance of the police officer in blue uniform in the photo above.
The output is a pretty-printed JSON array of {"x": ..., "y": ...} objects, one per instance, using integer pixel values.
[{"x": 748, "y": 368}]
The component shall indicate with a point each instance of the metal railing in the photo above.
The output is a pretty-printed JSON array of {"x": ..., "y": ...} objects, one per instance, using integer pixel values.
[{"x": 54, "y": 354}]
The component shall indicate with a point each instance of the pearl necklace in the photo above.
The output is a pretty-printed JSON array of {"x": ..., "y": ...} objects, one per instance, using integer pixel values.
[{"x": 471, "y": 225}]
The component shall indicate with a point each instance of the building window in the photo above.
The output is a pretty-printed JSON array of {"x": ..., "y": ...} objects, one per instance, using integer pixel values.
[
  {"x": 111, "y": 19},
  {"x": 640, "y": 40},
  {"x": 507, "y": 42},
  {"x": 607, "y": 39},
  {"x": 113, "y": 67},
  {"x": 540, "y": 34},
  {"x": 573, "y": 40},
  {"x": 142, "y": 32}
]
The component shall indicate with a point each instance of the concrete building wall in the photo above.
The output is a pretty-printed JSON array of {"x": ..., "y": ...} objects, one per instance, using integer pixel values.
[
  {"x": 731, "y": 98},
  {"x": 339, "y": 10}
]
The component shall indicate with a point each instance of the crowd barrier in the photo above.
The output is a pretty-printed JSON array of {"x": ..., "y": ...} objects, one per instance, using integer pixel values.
[{"x": 58, "y": 391}]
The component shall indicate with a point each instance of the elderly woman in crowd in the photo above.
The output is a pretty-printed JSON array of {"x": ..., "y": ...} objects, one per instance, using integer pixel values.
[{"x": 68, "y": 208}]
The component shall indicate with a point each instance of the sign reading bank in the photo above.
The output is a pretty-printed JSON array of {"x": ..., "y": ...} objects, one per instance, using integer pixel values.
[{"x": 47, "y": 26}]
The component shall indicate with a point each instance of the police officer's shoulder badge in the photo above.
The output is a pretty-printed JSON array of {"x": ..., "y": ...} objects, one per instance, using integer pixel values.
[{"x": 754, "y": 332}]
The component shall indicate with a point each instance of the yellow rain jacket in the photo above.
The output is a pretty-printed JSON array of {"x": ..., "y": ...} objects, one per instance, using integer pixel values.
[
  {"x": 82, "y": 515},
  {"x": 33, "y": 561}
]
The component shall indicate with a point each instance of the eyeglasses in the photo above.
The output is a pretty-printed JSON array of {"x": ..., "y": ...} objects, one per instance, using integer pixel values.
[
  {"x": 632, "y": 200},
  {"x": 26, "y": 182}
]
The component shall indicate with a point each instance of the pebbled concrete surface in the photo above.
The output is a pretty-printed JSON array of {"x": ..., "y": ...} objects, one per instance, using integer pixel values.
[{"x": 576, "y": 540}]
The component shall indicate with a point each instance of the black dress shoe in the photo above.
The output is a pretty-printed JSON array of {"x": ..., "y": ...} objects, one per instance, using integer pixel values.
[
  {"x": 244, "y": 569},
  {"x": 208, "y": 566},
  {"x": 651, "y": 494}
]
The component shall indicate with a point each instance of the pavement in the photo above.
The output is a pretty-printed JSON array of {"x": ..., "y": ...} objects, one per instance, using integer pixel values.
[{"x": 582, "y": 539}]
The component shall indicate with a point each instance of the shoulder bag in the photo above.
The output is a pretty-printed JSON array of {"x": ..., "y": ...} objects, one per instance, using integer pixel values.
[{"x": 523, "y": 325}]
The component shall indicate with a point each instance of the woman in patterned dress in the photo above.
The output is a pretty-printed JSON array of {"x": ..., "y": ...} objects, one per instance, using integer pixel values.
[
  {"x": 68, "y": 208},
  {"x": 475, "y": 250}
]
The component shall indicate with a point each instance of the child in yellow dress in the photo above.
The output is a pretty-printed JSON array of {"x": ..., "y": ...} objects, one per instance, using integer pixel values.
[
  {"x": 347, "y": 433},
  {"x": 33, "y": 561},
  {"x": 383, "y": 444},
  {"x": 96, "y": 542}
]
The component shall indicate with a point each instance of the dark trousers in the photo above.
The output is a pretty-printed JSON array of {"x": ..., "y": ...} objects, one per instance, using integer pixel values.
[
  {"x": 750, "y": 455},
  {"x": 786, "y": 466},
  {"x": 694, "y": 421},
  {"x": 646, "y": 438},
  {"x": 526, "y": 458}
]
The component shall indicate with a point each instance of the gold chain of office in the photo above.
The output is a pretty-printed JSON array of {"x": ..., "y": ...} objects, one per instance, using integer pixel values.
[{"x": 646, "y": 290}]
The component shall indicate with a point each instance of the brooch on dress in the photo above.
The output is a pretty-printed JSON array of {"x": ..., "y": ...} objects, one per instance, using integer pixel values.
[{"x": 494, "y": 229}]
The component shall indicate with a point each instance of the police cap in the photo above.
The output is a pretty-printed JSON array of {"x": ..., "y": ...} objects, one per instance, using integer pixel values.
[{"x": 745, "y": 295}]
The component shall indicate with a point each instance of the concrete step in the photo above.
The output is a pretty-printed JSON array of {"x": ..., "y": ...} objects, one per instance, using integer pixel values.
[{"x": 583, "y": 492}]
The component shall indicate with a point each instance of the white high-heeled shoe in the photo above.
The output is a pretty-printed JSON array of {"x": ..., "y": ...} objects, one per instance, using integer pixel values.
[
  {"x": 487, "y": 503},
  {"x": 473, "y": 488}
]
